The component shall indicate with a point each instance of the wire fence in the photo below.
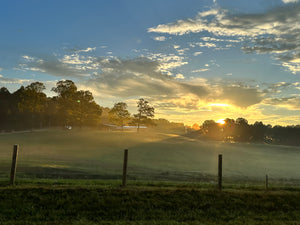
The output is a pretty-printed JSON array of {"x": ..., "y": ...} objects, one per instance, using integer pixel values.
[{"x": 239, "y": 165}]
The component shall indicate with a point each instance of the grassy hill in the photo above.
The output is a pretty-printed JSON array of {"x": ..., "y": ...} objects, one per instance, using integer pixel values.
[
  {"x": 171, "y": 180},
  {"x": 85, "y": 153}
]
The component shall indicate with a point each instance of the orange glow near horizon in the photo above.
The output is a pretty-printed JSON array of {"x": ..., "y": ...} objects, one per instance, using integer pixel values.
[
  {"x": 221, "y": 121},
  {"x": 219, "y": 104}
]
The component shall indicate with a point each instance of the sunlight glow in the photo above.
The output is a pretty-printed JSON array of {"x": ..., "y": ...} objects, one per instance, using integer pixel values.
[
  {"x": 219, "y": 104},
  {"x": 221, "y": 121}
]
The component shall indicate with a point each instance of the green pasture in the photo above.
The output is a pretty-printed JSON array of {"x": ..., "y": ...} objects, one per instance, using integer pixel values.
[{"x": 95, "y": 154}]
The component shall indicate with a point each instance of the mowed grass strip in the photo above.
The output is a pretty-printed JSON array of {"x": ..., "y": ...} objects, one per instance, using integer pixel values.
[{"x": 84, "y": 205}]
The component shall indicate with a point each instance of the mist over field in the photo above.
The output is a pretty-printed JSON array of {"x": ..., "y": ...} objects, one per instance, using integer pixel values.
[{"x": 153, "y": 155}]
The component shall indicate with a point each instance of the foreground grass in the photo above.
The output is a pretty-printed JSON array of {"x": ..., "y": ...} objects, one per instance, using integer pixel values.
[{"x": 157, "y": 203}]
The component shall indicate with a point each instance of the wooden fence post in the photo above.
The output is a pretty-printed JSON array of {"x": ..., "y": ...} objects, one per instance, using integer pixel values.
[
  {"x": 125, "y": 167},
  {"x": 14, "y": 164},
  {"x": 220, "y": 173}
]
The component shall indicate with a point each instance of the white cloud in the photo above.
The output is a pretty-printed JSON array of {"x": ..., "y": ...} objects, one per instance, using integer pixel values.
[
  {"x": 210, "y": 39},
  {"x": 5, "y": 80},
  {"x": 205, "y": 44},
  {"x": 293, "y": 67},
  {"x": 160, "y": 38},
  {"x": 200, "y": 70},
  {"x": 28, "y": 58},
  {"x": 290, "y": 1},
  {"x": 67, "y": 66},
  {"x": 76, "y": 59},
  {"x": 87, "y": 50},
  {"x": 167, "y": 62},
  {"x": 197, "y": 53},
  {"x": 179, "y": 76},
  {"x": 276, "y": 31}
]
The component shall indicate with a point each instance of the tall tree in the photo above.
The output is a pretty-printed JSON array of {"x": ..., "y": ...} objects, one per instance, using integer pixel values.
[
  {"x": 76, "y": 107},
  {"x": 33, "y": 102},
  {"x": 5, "y": 109},
  {"x": 145, "y": 112},
  {"x": 212, "y": 130},
  {"x": 86, "y": 111},
  {"x": 242, "y": 131},
  {"x": 228, "y": 130},
  {"x": 66, "y": 90},
  {"x": 119, "y": 114}
]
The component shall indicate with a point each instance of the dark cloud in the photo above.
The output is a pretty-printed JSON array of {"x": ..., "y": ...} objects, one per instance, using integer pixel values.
[
  {"x": 288, "y": 102},
  {"x": 242, "y": 96},
  {"x": 6, "y": 80},
  {"x": 140, "y": 77},
  {"x": 55, "y": 67}
]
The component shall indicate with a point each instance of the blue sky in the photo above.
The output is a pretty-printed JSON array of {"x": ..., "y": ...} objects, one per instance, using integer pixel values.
[{"x": 193, "y": 60}]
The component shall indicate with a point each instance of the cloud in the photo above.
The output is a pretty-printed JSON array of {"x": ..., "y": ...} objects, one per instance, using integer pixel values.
[
  {"x": 5, "y": 80},
  {"x": 179, "y": 76},
  {"x": 69, "y": 65},
  {"x": 167, "y": 62},
  {"x": 56, "y": 67},
  {"x": 206, "y": 44},
  {"x": 139, "y": 77},
  {"x": 28, "y": 58},
  {"x": 290, "y": 1},
  {"x": 276, "y": 31},
  {"x": 159, "y": 38},
  {"x": 279, "y": 87},
  {"x": 200, "y": 70},
  {"x": 291, "y": 103},
  {"x": 142, "y": 77},
  {"x": 150, "y": 76},
  {"x": 242, "y": 96},
  {"x": 197, "y": 53},
  {"x": 89, "y": 49}
]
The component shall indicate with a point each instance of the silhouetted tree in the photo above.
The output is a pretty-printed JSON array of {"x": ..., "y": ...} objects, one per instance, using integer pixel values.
[
  {"x": 5, "y": 109},
  {"x": 145, "y": 112},
  {"x": 228, "y": 130},
  {"x": 258, "y": 132},
  {"x": 86, "y": 111},
  {"x": 242, "y": 130},
  {"x": 76, "y": 107},
  {"x": 33, "y": 102},
  {"x": 212, "y": 130},
  {"x": 66, "y": 100},
  {"x": 119, "y": 114}
]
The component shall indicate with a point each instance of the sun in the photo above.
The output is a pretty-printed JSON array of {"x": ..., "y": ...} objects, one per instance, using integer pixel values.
[{"x": 221, "y": 121}]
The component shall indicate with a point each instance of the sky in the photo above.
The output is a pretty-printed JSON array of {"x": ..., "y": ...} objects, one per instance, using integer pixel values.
[{"x": 192, "y": 60}]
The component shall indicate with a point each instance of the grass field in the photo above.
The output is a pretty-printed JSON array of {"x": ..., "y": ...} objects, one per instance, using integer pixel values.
[
  {"x": 99, "y": 202},
  {"x": 74, "y": 177},
  {"x": 95, "y": 154}
]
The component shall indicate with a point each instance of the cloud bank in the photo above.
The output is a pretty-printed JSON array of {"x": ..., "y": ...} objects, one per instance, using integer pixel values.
[{"x": 276, "y": 31}]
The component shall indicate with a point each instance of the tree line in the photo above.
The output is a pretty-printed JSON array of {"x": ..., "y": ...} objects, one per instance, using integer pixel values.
[
  {"x": 29, "y": 107},
  {"x": 240, "y": 130}
]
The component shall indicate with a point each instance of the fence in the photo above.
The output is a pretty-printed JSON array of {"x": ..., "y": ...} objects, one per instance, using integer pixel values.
[
  {"x": 151, "y": 156},
  {"x": 167, "y": 176}
]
